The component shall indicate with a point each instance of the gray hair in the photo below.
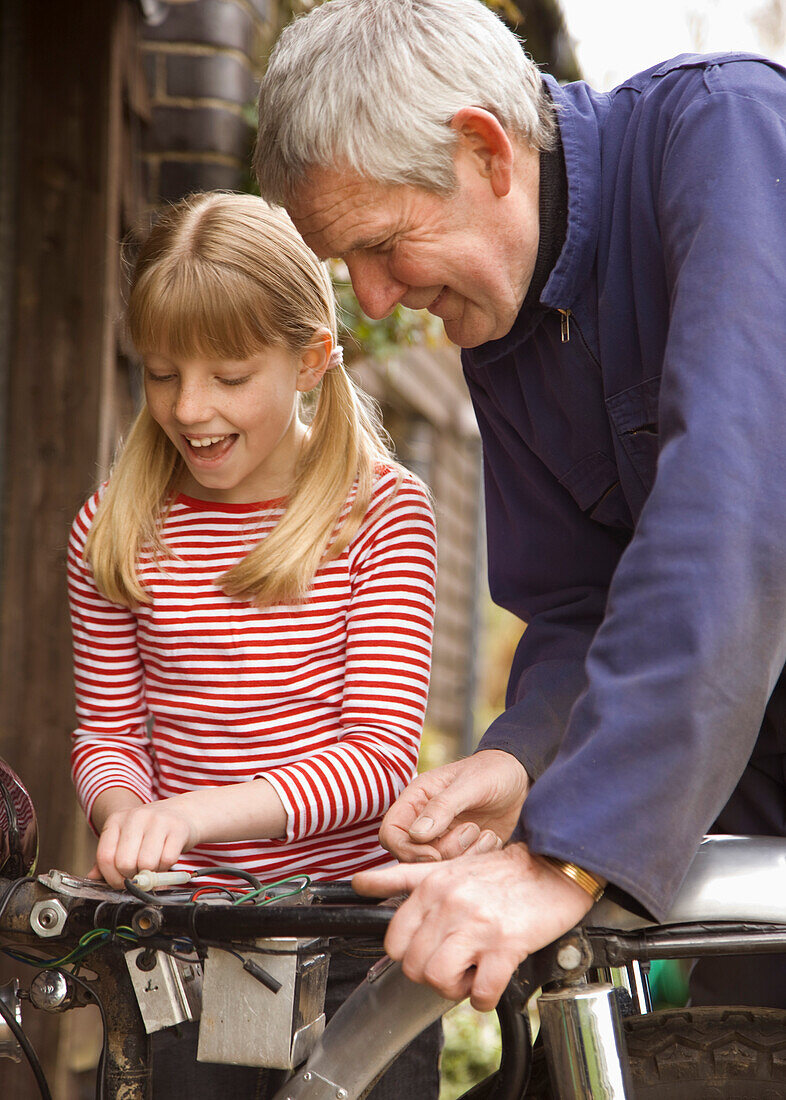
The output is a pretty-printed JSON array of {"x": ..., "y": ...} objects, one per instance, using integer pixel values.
[{"x": 372, "y": 85}]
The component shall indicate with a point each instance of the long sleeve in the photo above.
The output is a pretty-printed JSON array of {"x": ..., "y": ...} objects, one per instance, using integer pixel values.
[
  {"x": 694, "y": 635},
  {"x": 110, "y": 744},
  {"x": 389, "y": 624}
]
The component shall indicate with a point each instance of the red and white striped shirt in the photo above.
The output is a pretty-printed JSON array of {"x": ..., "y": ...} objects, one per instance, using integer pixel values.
[{"x": 324, "y": 699}]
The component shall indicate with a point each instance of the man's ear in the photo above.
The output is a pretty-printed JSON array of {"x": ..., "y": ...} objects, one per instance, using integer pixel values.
[
  {"x": 484, "y": 137},
  {"x": 315, "y": 360}
]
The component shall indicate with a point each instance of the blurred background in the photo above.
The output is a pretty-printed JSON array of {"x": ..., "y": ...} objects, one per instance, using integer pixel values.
[{"x": 107, "y": 111}]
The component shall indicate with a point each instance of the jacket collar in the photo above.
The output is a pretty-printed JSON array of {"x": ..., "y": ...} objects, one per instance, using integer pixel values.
[{"x": 580, "y": 114}]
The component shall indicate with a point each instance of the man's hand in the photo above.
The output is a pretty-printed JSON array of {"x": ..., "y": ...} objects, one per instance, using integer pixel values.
[
  {"x": 469, "y": 806},
  {"x": 469, "y": 922}
]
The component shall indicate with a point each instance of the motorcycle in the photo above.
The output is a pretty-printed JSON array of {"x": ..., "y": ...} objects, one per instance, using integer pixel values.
[{"x": 250, "y": 963}]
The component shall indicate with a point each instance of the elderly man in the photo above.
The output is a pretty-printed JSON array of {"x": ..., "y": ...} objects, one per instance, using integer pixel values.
[{"x": 614, "y": 268}]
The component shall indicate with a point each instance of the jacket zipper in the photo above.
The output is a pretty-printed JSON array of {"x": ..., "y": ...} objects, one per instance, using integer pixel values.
[{"x": 565, "y": 317}]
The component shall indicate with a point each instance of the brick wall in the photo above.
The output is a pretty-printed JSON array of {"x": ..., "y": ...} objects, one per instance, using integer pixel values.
[{"x": 200, "y": 63}]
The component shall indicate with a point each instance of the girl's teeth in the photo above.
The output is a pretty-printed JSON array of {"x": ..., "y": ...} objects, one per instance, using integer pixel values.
[{"x": 206, "y": 442}]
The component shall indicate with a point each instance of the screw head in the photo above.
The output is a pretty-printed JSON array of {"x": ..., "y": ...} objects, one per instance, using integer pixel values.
[
  {"x": 307, "y": 1076},
  {"x": 341, "y": 1094},
  {"x": 568, "y": 957}
]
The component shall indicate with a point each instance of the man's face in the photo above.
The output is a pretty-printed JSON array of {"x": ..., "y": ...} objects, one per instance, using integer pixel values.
[{"x": 466, "y": 258}]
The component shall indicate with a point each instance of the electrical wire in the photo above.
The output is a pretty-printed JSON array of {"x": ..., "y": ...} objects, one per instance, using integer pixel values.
[
  {"x": 237, "y": 872},
  {"x": 11, "y": 891},
  {"x": 102, "y": 1058},
  {"x": 141, "y": 895},
  {"x": 303, "y": 879},
  {"x": 86, "y": 945},
  {"x": 229, "y": 892},
  {"x": 27, "y": 1050}
]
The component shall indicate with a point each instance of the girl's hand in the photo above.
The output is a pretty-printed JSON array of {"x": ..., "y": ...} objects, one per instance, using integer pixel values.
[{"x": 137, "y": 837}]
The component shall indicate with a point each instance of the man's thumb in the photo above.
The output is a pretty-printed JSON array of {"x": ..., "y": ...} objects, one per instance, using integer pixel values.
[{"x": 438, "y": 815}]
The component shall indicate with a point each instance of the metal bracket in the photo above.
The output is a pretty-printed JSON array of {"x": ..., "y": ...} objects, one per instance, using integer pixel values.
[
  {"x": 567, "y": 960},
  {"x": 321, "y": 1086},
  {"x": 70, "y": 886},
  {"x": 167, "y": 989}
]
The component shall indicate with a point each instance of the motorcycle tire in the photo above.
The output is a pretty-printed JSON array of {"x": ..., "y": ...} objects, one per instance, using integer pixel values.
[{"x": 698, "y": 1054}]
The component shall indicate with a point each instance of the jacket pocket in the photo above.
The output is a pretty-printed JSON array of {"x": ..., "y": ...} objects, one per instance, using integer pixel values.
[
  {"x": 595, "y": 486},
  {"x": 634, "y": 415}
]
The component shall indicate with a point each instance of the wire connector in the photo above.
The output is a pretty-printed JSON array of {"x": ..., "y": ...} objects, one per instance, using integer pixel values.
[{"x": 149, "y": 880}]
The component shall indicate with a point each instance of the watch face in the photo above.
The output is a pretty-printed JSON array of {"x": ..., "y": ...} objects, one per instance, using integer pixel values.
[{"x": 18, "y": 826}]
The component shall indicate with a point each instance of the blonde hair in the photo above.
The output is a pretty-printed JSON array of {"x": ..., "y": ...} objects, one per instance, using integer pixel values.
[{"x": 225, "y": 276}]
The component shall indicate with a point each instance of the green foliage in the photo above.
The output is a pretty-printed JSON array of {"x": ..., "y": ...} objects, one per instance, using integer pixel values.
[{"x": 472, "y": 1049}]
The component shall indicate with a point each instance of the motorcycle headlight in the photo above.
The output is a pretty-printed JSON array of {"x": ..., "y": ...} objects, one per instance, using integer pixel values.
[{"x": 18, "y": 826}]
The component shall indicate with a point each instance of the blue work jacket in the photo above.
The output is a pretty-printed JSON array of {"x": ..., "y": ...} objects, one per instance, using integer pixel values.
[{"x": 634, "y": 433}]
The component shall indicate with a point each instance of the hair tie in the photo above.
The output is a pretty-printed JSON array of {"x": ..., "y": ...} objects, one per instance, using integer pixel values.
[{"x": 336, "y": 358}]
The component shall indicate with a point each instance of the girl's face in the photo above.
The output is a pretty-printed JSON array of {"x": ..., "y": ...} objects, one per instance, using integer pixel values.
[{"x": 235, "y": 422}]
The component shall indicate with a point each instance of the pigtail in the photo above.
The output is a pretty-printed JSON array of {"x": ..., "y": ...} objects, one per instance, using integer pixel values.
[{"x": 129, "y": 513}]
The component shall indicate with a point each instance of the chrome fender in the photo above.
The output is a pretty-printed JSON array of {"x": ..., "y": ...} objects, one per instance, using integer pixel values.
[
  {"x": 374, "y": 1024},
  {"x": 731, "y": 878}
]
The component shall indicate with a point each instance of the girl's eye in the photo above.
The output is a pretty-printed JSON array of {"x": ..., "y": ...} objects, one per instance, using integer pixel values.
[
  {"x": 234, "y": 381},
  {"x": 159, "y": 377}
]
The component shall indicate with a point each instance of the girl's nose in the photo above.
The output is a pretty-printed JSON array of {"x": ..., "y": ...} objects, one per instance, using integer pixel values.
[{"x": 192, "y": 404}]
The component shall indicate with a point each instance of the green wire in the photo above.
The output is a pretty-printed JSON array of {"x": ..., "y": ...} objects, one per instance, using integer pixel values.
[
  {"x": 304, "y": 880},
  {"x": 87, "y": 944}
]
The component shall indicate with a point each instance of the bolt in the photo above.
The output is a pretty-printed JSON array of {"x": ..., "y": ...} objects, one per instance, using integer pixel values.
[
  {"x": 568, "y": 957},
  {"x": 307, "y": 1076},
  {"x": 48, "y": 918},
  {"x": 341, "y": 1094},
  {"x": 49, "y": 990}
]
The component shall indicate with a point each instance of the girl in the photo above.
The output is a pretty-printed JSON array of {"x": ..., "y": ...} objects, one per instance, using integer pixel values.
[{"x": 252, "y": 592}]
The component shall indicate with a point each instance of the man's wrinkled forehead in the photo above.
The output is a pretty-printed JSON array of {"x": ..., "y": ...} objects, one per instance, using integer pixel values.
[{"x": 338, "y": 212}]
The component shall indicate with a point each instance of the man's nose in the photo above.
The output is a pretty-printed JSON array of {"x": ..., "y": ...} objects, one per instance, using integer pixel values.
[{"x": 377, "y": 291}]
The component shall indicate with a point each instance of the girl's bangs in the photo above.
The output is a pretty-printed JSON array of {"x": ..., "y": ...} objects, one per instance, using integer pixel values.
[{"x": 187, "y": 315}]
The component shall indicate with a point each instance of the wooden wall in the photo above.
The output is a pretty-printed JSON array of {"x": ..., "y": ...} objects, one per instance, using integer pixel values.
[{"x": 66, "y": 116}]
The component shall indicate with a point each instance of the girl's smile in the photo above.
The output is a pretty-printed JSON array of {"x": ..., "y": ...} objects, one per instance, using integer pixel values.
[
  {"x": 210, "y": 449},
  {"x": 235, "y": 422}
]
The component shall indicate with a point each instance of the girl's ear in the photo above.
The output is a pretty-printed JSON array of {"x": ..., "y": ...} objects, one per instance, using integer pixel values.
[{"x": 315, "y": 360}]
